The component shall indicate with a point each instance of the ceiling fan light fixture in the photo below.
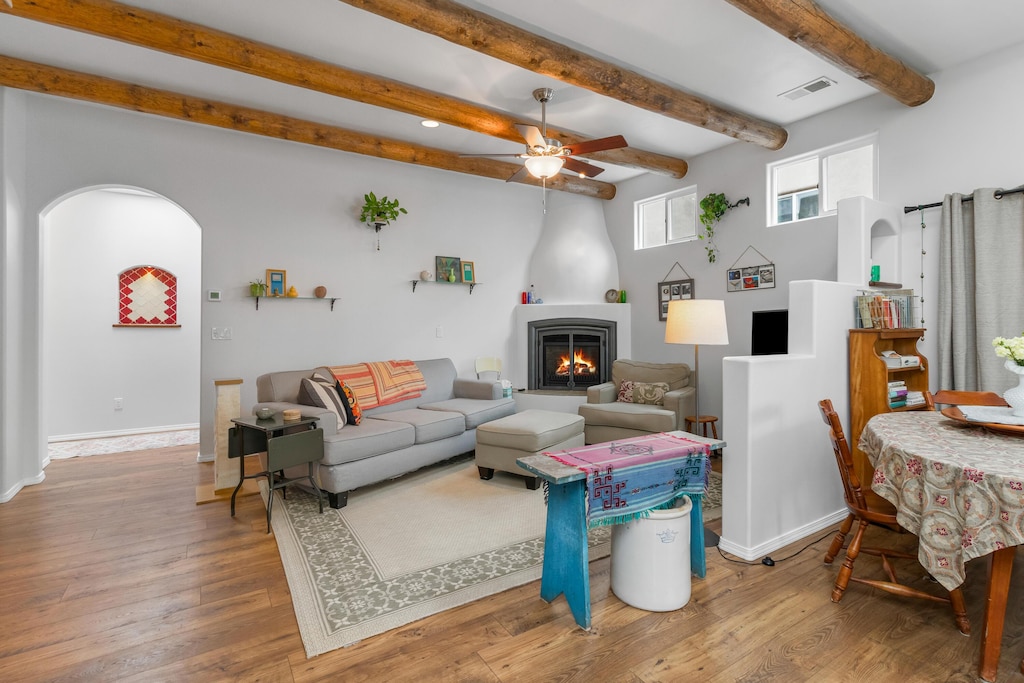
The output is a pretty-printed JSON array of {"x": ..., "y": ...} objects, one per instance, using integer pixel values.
[
  {"x": 544, "y": 167},
  {"x": 429, "y": 123}
]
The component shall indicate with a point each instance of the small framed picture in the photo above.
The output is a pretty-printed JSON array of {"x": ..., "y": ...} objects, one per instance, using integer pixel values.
[
  {"x": 468, "y": 273},
  {"x": 673, "y": 290},
  {"x": 276, "y": 282},
  {"x": 448, "y": 269}
]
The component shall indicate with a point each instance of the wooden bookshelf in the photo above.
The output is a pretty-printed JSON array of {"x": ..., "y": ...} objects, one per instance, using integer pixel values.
[{"x": 869, "y": 386}]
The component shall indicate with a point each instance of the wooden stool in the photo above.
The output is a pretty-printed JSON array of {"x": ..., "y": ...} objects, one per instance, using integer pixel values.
[{"x": 702, "y": 423}]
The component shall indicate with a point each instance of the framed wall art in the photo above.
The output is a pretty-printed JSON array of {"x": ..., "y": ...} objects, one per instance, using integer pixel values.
[
  {"x": 276, "y": 282},
  {"x": 468, "y": 272},
  {"x": 672, "y": 290},
  {"x": 745, "y": 278},
  {"x": 447, "y": 269}
]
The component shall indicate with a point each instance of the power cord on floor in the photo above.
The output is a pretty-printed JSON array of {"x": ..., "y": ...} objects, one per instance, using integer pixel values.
[{"x": 767, "y": 559}]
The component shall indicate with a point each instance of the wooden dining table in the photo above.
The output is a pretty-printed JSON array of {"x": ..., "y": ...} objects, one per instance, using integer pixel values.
[{"x": 960, "y": 489}]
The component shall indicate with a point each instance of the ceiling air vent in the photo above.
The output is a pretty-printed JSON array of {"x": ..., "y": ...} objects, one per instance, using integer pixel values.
[{"x": 808, "y": 88}]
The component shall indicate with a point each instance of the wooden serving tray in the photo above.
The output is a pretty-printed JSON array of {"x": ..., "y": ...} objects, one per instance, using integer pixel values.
[{"x": 953, "y": 413}]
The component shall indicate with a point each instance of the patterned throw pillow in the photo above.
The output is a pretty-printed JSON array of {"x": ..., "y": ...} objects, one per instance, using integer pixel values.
[
  {"x": 323, "y": 396},
  {"x": 649, "y": 393},
  {"x": 355, "y": 413}
]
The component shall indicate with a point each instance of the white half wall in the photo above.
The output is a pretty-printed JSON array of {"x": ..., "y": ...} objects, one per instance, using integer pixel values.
[{"x": 779, "y": 477}]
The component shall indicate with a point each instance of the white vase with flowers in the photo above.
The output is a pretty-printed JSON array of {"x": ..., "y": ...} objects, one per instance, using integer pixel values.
[{"x": 1012, "y": 350}]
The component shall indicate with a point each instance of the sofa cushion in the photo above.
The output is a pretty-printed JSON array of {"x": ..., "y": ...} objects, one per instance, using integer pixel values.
[
  {"x": 476, "y": 411},
  {"x": 676, "y": 374},
  {"x": 430, "y": 425},
  {"x": 372, "y": 437},
  {"x": 649, "y": 393},
  {"x": 628, "y": 415},
  {"x": 323, "y": 395},
  {"x": 348, "y": 399}
]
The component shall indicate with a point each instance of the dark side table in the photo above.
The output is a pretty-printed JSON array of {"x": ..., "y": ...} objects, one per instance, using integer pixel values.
[{"x": 287, "y": 444}]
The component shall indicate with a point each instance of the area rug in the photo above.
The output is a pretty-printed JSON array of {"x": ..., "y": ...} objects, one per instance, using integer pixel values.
[
  {"x": 713, "y": 500},
  {"x": 408, "y": 548}
]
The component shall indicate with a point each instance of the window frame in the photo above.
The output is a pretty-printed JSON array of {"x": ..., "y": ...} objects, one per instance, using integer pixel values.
[
  {"x": 821, "y": 155},
  {"x": 665, "y": 197}
]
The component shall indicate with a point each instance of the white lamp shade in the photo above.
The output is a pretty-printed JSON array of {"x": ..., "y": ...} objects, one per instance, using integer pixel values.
[
  {"x": 696, "y": 321},
  {"x": 543, "y": 167}
]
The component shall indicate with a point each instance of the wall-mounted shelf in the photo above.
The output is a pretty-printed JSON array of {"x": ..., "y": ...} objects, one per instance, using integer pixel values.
[
  {"x": 332, "y": 299},
  {"x": 471, "y": 285}
]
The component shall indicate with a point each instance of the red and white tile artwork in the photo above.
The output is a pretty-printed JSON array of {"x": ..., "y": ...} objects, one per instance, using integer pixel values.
[{"x": 147, "y": 296}]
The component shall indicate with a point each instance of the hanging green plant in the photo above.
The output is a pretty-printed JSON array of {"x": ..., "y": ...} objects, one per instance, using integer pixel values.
[
  {"x": 712, "y": 208},
  {"x": 379, "y": 211}
]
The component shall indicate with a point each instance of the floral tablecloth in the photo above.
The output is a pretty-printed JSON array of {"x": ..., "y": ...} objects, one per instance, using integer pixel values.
[{"x": 959, "y": 489}]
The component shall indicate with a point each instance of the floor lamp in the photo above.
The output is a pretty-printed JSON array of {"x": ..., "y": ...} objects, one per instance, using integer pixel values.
[{"x": 697, "y": 321}]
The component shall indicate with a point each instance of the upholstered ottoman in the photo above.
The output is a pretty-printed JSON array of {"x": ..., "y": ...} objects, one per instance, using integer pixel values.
[{"x": 499, "y": 442}]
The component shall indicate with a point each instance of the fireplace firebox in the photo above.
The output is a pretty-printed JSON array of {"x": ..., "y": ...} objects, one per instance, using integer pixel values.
[{"x": 570, "y": 353}]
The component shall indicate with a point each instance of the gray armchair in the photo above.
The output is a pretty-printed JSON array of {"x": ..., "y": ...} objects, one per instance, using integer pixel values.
[{"x": 607, "y": 419}]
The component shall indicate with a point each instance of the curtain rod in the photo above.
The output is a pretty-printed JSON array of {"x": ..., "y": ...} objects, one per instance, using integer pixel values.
[{"x": 999, "y": 194}]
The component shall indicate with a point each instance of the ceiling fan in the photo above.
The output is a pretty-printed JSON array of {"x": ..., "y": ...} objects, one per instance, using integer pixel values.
[{"x": 546, "y": 157}]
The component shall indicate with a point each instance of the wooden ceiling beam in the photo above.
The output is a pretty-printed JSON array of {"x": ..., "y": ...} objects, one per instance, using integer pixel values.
[
  {"x": 193, "y": 41},
  {"x": 41, "y": 78},
  {"x": 499, "y": 39},
  {"x": 808, "y": 25}
]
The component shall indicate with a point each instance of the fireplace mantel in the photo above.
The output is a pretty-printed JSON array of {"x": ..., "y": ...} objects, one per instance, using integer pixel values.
[{"x": 524, "y": 314}]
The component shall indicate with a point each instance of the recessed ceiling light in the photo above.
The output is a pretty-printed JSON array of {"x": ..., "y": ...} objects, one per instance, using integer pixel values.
[{"x": 429, "y": 124}]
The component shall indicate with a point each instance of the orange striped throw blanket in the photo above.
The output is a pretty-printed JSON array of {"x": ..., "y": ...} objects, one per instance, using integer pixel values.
[{"x": 382, "y": 382}]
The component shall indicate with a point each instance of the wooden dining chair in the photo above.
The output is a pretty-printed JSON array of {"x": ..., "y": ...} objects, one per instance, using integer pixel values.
[{"x": 863, "y": 515}]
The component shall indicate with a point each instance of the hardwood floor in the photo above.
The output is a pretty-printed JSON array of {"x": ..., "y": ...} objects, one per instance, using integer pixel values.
[{"x": 110, "y": 571}]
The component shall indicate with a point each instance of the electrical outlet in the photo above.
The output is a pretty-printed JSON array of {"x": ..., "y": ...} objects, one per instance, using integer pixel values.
[
  {"x": 220, "y": 333},
  {"x": 439, "y": 332},
  {"x": 118, "y": 404}
]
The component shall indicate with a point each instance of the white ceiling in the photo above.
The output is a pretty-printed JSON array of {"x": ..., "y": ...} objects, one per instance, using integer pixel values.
[{"x": 706, "y": 47}]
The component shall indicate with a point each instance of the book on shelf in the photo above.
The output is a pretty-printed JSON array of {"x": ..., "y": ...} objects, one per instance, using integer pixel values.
[
  {"x": 897, "y": 393},
  {"x": 915, "y": 398},
  {"x": 885, "y": 309},
  {"x": 897, "y": 404},
  {"x": 896, "y": 384}
]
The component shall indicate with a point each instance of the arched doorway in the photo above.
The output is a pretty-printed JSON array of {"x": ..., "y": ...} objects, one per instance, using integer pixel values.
[{"x": 102, "y": 379}]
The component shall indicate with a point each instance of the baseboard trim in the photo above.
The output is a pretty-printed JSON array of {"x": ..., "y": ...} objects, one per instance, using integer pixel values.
[
  {"x": 13, "y": 491},
  {"x": 782, "y": 541},
  {"x": 121, "y": 432}
]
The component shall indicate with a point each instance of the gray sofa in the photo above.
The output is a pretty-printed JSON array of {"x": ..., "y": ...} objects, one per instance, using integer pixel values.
[{"x": 394, "y": 439}]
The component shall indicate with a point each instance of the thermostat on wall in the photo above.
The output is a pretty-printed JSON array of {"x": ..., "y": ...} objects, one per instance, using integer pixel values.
[{"x": 213, "y": 295}]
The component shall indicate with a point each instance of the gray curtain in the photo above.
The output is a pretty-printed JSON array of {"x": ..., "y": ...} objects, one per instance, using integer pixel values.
[{"x": 981, "y": 288}]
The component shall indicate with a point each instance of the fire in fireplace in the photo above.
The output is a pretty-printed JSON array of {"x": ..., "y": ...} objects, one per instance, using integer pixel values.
[
  {"x": 570, "y": 353},
  {"x": 579, "y": 365}
]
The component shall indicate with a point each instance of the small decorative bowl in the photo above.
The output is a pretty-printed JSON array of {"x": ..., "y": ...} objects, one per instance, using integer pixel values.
[{"x": 265, "y": 413}]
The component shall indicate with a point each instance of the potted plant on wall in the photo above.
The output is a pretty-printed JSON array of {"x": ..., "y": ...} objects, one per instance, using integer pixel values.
[
  {"x": 257, "y": 288},
  {"x": 712, "y": 208},
  {"x": 379, "y": 212}
]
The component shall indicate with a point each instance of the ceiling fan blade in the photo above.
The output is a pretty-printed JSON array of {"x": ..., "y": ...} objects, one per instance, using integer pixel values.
[
  {"x": 532, "y": 135},
  {"x": 577, "y": 166},
  {"x": 518, "y": 176},
  {"x": 599, "y": 145},
  {"x": 461, "y": 156}
]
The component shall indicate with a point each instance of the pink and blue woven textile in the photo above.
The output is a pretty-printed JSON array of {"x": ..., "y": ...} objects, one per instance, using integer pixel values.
[{"x": 628, "y": 478}]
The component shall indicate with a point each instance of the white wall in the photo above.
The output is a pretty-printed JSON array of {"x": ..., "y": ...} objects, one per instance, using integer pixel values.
[
  {"x": 155, "y": 370},
  {"x": 266, "y": 203},
  {"x": 22, "y": 455},
  {"x": 962, "y": 139}
]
